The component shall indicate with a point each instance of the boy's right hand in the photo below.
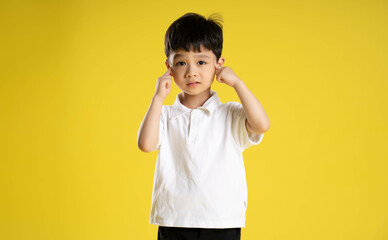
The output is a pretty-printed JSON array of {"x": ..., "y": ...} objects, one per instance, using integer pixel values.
[{"x": 163, "y": 85}]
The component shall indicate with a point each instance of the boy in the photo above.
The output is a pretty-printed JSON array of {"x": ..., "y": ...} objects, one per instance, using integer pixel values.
[{"x": 199, "y": 189}]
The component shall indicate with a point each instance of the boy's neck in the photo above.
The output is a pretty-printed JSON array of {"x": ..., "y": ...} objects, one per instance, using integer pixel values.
[{"x": 194, "y": 101}]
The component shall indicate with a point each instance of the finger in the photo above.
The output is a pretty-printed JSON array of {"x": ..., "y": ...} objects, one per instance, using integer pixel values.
[
  {"x": 168, "y": 72},
  {"x": 218, "y": 73},
  {"x": 219, "y": 77}
]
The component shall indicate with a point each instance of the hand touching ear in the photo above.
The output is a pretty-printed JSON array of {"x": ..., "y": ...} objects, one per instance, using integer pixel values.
[
  {"x": 226, "y": 75},
  {"x": 163, "y": 85}
]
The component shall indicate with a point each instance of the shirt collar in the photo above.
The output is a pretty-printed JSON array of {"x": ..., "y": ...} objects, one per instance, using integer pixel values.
[{"x": 178, "y": 109}]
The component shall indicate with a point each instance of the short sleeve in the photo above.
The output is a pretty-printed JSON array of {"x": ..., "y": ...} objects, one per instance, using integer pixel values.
[
  {"x": 162, "y": 125},
  {"x": 240, "y": 133}
]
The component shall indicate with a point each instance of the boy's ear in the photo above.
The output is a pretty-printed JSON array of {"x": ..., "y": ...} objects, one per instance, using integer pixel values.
[
  {"x": 220, "y": 63},
  {"x": 167, "y": 64},
  {"x": 169, "y": 67}
]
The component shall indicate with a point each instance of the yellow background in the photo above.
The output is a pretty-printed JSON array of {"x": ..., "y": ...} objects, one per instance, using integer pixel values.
[{"x": 77, "y": 78}]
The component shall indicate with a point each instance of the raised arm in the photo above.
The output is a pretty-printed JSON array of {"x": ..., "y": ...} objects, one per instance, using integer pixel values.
[
  {"x": 257, "y": 120},
  {"x": 148, "y": 135}
]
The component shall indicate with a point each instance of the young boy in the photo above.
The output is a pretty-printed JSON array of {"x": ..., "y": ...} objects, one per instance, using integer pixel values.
[{"x": 200, "y": 188}]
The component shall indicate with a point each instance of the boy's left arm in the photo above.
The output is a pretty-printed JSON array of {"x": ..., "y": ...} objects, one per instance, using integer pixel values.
[{"x": 257, "y": 120}]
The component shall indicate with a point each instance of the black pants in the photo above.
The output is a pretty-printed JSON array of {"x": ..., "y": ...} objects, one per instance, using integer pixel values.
[{"x": 179, "y": 233}]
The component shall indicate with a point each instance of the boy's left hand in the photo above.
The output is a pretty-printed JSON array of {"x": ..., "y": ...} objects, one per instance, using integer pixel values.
[{"x": 226, "y": 75}]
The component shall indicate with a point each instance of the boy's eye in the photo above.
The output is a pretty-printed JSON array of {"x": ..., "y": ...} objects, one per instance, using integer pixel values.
[{"x": 183, "y": 63}]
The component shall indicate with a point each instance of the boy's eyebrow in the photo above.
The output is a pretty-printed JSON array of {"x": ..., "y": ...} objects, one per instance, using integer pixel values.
[{"x": 199, "y": 55}]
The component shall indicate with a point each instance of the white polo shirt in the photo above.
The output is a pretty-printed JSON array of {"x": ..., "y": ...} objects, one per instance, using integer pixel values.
[{"x": 199, "y": 176}]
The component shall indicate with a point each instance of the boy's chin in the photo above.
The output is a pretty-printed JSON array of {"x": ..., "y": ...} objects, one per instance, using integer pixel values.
[{"x": 195, "y": 92}]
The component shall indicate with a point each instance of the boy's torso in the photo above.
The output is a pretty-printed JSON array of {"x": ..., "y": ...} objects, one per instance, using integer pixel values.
[{"x": 200, "y": 175}]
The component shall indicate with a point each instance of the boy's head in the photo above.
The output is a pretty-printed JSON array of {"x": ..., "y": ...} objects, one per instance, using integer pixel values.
[
  {"x": 193, "y": 47},
  {"x": 193, "y": 31}
]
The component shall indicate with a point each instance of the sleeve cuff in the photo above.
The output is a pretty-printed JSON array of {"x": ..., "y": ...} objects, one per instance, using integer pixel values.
[{"x": 253, "y": 138}]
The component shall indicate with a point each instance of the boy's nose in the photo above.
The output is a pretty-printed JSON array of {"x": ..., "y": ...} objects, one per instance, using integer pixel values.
[{"x": 191, "y": 72}]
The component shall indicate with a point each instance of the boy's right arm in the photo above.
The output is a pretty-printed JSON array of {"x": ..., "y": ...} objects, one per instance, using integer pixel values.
[{"x": 148, "y": 135}]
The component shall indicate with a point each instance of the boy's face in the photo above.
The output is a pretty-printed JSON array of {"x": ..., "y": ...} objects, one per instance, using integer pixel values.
[{"x": 194, "y": 72}]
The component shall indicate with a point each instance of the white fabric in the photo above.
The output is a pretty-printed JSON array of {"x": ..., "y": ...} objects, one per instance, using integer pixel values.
[{"x": 200, "y": 176}]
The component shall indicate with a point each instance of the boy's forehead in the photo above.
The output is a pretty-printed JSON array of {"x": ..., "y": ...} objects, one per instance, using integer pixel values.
[{"x": 205, "y": 53}]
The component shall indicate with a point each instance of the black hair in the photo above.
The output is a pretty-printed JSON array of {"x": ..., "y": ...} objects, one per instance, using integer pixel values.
[{"x": 191, "y": 31}]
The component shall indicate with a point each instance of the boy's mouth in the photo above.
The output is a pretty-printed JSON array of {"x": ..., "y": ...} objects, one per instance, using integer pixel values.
[{"x": 193, "y": 84}]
